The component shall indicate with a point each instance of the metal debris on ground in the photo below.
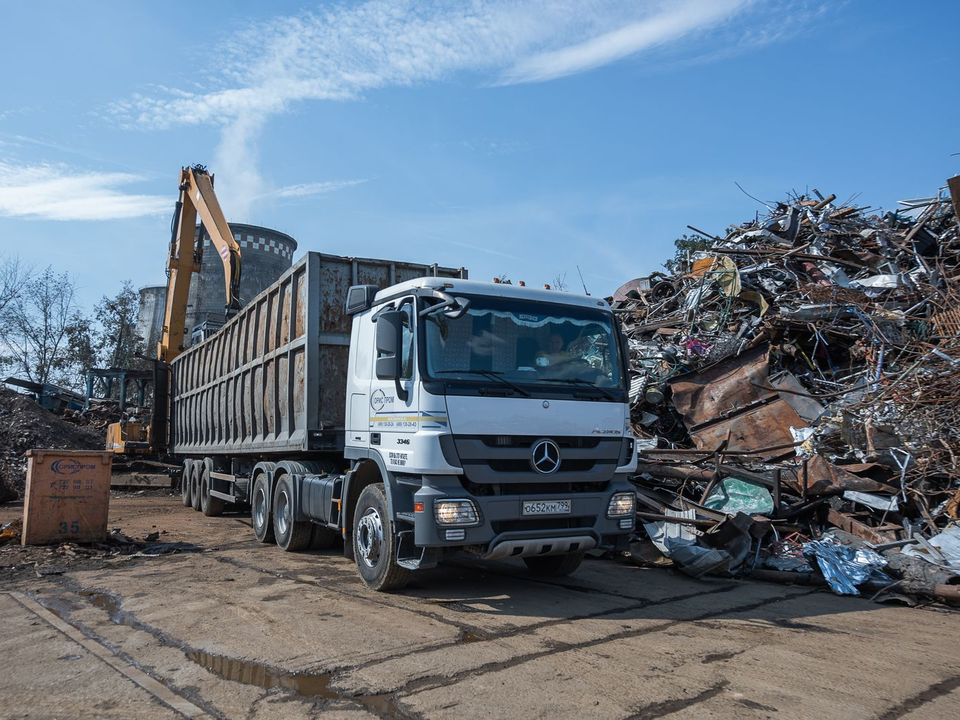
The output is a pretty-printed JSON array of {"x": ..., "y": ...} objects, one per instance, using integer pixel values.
[{"x": 804, "y": 369}]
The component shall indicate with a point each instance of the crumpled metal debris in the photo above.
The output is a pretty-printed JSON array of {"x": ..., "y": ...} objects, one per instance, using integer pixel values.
[
  {"x": 813, "y": 350},
  {"x": 844, "y": 567}
]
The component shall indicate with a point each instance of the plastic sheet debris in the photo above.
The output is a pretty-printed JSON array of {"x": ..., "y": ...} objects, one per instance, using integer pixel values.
[
  {"x": 844, "y": 567},
  {"x": 942, "y": 549},
  {"x": 732, "y": 495},
  {"x": 677, "y": 542}
]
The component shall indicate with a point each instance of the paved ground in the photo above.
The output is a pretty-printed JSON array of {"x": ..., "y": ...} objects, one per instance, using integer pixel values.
[{"x": 231, "y": 628}]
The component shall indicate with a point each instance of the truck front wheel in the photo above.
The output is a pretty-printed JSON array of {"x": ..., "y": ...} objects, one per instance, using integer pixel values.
[
  {"x": 554, "y": 565},
  {"x": 374, "y": 545}
]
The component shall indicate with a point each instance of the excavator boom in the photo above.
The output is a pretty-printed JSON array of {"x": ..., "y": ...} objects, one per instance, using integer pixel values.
[{"x": 196, "y": 197}]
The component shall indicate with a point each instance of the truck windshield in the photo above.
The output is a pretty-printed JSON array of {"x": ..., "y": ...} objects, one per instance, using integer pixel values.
[{"x": 520, "y": 341}]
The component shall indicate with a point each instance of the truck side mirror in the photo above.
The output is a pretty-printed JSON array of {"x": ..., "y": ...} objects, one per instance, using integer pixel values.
[
  {"x": 388, "y": 344},
  {"x": 360, "y": 298}
]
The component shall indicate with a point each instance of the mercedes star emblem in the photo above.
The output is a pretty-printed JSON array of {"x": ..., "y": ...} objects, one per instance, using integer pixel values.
[{"x": 546, "y": 457}]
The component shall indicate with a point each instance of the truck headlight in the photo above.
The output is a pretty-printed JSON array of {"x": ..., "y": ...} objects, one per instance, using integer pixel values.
[
  {"x": 622, "y": 504},
  {"x": 456, "y": 512}
]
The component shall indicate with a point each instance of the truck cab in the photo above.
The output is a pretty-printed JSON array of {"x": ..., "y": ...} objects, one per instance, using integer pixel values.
[{"x": 483, "y": 417}]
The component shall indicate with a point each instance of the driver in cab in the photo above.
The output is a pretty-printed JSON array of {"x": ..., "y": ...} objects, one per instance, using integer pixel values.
[{"x": 554, "y": 354}]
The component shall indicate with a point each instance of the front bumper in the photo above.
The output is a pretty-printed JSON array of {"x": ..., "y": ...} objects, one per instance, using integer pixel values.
[{"x": 503, "y": 530}]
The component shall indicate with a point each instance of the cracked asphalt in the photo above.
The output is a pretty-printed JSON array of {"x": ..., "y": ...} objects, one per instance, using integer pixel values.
[{"x": 230, "y": 628}]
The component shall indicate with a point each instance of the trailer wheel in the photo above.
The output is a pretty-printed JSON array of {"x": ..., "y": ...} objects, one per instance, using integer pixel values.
[
  {"x": 554, "y": 565},
  {"x": 195, "y": 469},
  {"x": 260, "y": 509},
  {"x": 324, "y": 538},
  {"x": 291, "y": 534},
  {"x": 209, "y": 505},
  {"x": 374, "y": 545},
  {"x": 185, "y": 483}
]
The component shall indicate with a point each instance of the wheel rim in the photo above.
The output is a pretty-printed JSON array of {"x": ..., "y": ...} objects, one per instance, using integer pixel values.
[
  {"x": 282, "y": 519},
  {"x": 260, "y": 508},
  {"x": 370, "y": 537}
]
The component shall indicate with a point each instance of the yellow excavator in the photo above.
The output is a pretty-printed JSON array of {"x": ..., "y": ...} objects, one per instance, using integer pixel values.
[{"x": 140, "y": 436}]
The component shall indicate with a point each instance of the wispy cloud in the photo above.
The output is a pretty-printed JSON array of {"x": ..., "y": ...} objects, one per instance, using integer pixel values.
[
  {"x": 344, "y": 51},
  {"x": 316, "y": 188},
  {"x": 58, "y": 192},
  {"x": 670, "y": 22}
]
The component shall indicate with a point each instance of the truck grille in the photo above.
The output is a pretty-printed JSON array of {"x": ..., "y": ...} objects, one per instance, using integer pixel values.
[
  {"x": 518, "y": 466},
  {"x": 527, "y": 441},
  {"x": 541, "y": 524},
  {"x": 549, "y": 488}
]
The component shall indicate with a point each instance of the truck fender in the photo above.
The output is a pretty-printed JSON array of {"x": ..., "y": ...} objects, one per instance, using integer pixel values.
[
  {"x": 263, "y": 467},
  {"x": 365, "y": 472},
  {"x": 296, "y": 469}
]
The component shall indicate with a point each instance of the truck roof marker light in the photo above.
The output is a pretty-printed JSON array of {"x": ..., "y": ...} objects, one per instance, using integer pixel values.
[{"x": 418, "y": 507}]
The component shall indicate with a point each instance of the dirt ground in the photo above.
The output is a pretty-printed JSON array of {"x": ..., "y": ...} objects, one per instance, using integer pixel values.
[{"x": 226, "y": 627}]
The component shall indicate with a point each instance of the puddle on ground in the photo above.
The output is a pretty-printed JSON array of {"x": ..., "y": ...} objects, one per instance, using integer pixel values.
[
  {"x": 304, "y": 684},
  {"x": 265, "y": 676},
  {"x": 109, "y": 603}
]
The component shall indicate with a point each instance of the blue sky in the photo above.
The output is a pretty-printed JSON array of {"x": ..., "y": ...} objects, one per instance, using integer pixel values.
[{"x": 525, "y": 138}]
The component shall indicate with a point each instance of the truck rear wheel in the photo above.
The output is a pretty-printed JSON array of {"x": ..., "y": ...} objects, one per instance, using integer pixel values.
[
  {"x": 185, "y": 483},
  {"x": 209, "y": 505},
  {"x": 260, "y": 509},
  {"x": 195, "y": 469},
  {"x": 554, "y": 565},
  {"x": 291, "y": 534},
  {"x": 374, "y": 545}
]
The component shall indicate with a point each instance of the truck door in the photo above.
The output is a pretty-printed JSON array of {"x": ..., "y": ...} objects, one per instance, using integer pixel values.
[{"x": 394, "y": 405}]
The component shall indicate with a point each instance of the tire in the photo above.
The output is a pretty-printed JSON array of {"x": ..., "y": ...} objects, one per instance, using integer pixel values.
[
  {"x": 195, "y": 484},
  {"x": 324, "y": 538},
  {"x": 209, "y": 505},
  {"x": 374, "y": 545},
  {"x": 260, "y": 509},
  {"x": 185, "y": 483},
  {"x": 291, "y": 534},
  {"x": 554, "y": 565}
]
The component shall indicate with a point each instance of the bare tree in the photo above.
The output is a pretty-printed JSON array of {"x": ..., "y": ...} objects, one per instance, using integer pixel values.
[
  {"x": 13, "y": 275},
  {"x": 560, "y": 282},
  {"x": 38, "y": 323}
]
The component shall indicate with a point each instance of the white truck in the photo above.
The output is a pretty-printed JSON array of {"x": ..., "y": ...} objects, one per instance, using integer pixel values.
[{"x": 430, "y": 416}]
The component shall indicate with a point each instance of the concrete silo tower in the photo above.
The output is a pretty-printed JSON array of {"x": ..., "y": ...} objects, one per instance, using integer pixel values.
[
  {"x": 266, "y": 253},
  {"x": 153, "y": 301}
]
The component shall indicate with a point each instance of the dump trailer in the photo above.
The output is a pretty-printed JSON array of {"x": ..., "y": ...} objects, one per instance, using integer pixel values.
[{"x": 411, "y": 413}]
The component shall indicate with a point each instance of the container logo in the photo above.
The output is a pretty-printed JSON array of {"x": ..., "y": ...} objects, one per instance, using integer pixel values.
[{"x": 69, "y": 467}]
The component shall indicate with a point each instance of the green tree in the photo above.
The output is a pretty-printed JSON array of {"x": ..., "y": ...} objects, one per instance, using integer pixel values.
[
  {"x": 117, "y": 343},
  {"x": 684, "y": 246}
]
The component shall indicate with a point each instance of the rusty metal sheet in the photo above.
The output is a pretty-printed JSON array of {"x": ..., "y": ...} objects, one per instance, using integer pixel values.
[
  {"x": 763, "y": 426},
  {"x": 723, "y": 389},
  {"x": 825, "y": 478},
  {"x": 875, "y": 535}
]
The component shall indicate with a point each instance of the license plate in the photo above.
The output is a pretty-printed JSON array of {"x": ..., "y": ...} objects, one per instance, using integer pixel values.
[{"x": 546, "y": 507}]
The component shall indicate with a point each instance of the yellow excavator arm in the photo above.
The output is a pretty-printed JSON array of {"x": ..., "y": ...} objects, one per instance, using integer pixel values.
[{"x": 196, "y": 196}]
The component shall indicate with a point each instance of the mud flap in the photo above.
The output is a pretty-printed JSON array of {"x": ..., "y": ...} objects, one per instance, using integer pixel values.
[{"x": 410, "y": 557}]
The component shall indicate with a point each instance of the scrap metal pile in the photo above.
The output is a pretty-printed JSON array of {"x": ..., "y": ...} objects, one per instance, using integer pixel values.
[{"x": 797, "y": 387}]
